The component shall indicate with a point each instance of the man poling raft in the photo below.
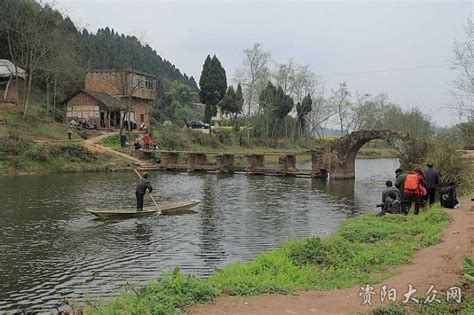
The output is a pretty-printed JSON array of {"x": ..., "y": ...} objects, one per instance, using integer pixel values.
[{"x": 143, "y": 185}]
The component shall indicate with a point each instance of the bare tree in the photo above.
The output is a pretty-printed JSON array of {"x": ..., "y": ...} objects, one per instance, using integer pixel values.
[
  {"x": 340, "y": 101},
  {"x": 27, "y": 41},
  {"x": 62, "y": 64},
  {"x": 254, "y": 74},
  {"x": 321, "y": 112},
  {"x": 464, "y": 84},
  {"x": 284, "y": 76}
]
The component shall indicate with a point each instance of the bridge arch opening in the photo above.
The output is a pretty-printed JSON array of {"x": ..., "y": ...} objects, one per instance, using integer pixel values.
[{"x": 346, "y": 149}]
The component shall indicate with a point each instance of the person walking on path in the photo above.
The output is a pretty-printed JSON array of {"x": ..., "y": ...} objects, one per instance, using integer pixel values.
[
  {"x": 432, "y": 180},
  {"x": 123, "y": 141},
  {"x": 143, "y": 185},
  {"x": 69, "y": 132}
]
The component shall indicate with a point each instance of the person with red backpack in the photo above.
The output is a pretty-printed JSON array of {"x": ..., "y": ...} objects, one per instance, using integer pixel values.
[{"x": 415, "y": 189}]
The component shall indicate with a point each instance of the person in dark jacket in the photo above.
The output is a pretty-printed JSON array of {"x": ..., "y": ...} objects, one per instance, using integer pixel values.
[
  {"x": 400, "y": 178},
  {"x": 431, "y": 180},
  {"x": 389, "y": 188},
  {"x": 391, "y": 204},
  {"x": 123, "y": 141},
  {"x": 142, "y": 185}
]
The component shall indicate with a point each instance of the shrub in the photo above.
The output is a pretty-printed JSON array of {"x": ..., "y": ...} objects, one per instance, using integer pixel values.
[
  {"x": 311, "y": 252},
  {"x": 448, "y": 162},
  {"x": 13, "y": 142},
  {"x": 202, "y": 139}
]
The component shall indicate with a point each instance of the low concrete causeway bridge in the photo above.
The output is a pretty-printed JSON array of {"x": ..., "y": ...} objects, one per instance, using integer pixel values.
[{"x": 336, "y": 159}]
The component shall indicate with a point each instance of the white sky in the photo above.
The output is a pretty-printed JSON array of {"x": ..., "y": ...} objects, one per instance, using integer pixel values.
[{"x": 332, "y": 37}]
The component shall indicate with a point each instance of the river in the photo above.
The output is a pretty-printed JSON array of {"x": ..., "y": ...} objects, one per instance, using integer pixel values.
[{"x": 51, "y": 248}]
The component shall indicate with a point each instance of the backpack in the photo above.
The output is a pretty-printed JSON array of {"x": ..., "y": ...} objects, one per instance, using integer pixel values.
[
  {"x": 412, "y": 182},
  {"x": 447, "y": 197}
]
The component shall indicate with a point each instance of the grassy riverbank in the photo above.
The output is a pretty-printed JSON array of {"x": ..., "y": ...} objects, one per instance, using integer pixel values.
[
  {"x": 40, "y": 145},
  {"x": 363, "y": 250}
]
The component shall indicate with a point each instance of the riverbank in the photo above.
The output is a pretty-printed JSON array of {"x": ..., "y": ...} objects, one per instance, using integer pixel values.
[
  {"x": 37, "y": 145},
  {"x": 356, "y": 254}
]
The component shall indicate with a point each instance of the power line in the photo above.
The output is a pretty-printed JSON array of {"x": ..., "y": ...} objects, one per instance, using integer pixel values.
[{"x": 387, "y": 70}]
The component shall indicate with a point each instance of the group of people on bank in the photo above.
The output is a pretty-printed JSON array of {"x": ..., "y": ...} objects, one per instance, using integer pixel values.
[
  {"x": 416, "y": 188},
  {"x": 146, "y": 142}
]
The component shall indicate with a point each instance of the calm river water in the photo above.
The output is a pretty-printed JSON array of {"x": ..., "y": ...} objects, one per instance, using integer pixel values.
[{"x": 50, "y": 248}]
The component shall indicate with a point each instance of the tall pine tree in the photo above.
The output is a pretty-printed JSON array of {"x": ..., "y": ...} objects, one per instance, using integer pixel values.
[{"x": 213, "y": 84}]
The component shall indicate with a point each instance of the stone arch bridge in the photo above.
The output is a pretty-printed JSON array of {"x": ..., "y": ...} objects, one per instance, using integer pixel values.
[{"x": 338, "y": 158}]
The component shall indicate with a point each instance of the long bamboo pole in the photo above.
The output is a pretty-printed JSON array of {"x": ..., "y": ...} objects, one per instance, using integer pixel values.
[{"x": 152, "y": 198}]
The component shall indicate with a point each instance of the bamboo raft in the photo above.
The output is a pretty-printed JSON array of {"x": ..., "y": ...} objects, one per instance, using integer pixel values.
[{"x": 166, "y": 208}]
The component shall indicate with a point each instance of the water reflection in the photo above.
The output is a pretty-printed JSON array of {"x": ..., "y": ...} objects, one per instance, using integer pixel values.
[{"x": 52, "y": 248}]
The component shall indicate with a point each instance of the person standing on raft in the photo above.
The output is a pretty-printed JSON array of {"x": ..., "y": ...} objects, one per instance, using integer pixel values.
[{"x": 142, "y": 185}]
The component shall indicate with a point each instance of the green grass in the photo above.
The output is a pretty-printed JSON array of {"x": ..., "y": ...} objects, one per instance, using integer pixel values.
[
  {"x": 357, "y": 253},
  {"x": 168, "y": 296},
  {"x": 20, "y": 154},
  {"x": 377, "y": 153}
]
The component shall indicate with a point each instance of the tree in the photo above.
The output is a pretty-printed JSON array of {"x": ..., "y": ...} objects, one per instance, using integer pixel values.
[
  {"x": 464, "y": 84},
  {"x": 341, "y": 102},
  {"x": 276, "y": 106},
  {"x": 303, "y": 108},
  {"x": 213, "y": 84},
  {"x": 229, "y": 102},
  {"x": 23, "y": 24},
  {"x": 239, "y": 100},
  {"x": 254, "y": 74},
  {"x": 176, "y": 102}
]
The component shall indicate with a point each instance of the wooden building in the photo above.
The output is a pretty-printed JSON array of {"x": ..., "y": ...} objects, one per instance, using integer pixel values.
[{"x": 112, "y": 97}]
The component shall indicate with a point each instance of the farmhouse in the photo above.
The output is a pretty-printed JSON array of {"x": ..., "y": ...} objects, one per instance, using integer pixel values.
[
  {"x": 114, "y": 97},
  {"x": 10, "y": 78}
]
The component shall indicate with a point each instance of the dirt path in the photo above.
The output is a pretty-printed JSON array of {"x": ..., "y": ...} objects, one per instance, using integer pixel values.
[
  {"x": 440, "y": 265},
  {"x": 95, "y": 143}
]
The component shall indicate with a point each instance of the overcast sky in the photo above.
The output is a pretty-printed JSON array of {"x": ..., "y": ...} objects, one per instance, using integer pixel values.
[{"x": 335, "y": 38}]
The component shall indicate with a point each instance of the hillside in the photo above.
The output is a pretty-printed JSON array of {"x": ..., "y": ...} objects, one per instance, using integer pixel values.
[
  {"x": 39, "y": 145},
  {"x": 46, "y": 43},
  {"x": 107, "y": 49}
]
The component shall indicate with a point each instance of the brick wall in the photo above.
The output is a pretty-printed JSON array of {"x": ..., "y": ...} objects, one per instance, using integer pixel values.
[
  {"x": 141, "y": 109},
  {"x": 120, "y": 83},
  {"x": 107, "y": 82}
]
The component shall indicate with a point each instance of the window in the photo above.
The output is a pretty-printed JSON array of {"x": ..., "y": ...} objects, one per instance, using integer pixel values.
[{"x": 149, "y": 83}]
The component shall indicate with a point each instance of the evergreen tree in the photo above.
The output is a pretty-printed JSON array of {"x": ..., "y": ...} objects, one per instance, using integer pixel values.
[
  {"x": 303, "y": 109},
  {"x": 228, "y": 103},
  {"x": 213, "y": 84},
  {"x": 239, "y": 100}
]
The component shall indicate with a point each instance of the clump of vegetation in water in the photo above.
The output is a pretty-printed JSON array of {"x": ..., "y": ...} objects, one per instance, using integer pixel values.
[{"x": 356, "y": 253}]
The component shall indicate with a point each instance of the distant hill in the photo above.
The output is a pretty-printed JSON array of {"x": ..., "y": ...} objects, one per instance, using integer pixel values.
[
  {"x": 107, "y": 49},
  {"x": 104, "y": 49}
]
